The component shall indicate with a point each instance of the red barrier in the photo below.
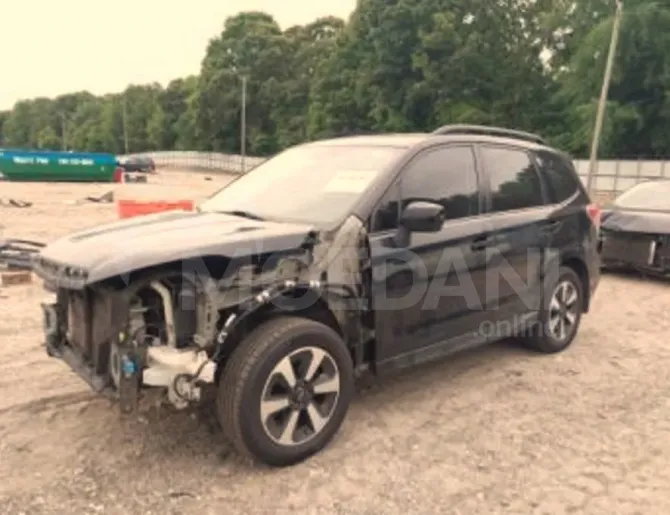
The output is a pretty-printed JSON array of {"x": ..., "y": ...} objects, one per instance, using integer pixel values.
[{"x": 131, "y": 208}]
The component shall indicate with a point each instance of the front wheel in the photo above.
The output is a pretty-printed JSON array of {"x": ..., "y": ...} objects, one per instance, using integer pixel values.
[{"x": 285, "y": 391}]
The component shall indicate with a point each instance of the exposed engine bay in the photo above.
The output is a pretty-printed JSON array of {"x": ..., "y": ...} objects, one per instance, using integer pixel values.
[
  {"x": 169, "y": 329},
  {"x": 162, "y": 322},
  {"x": 120, "y": 340}
]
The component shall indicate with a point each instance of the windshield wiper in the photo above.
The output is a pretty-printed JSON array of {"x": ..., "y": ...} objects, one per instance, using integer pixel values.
[{"x": 243, "y": 214}]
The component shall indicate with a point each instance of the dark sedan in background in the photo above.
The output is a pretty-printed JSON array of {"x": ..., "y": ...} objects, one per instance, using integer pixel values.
[
  {"x": 635, "y": 229},
  {"x": 142, "y": 164}
]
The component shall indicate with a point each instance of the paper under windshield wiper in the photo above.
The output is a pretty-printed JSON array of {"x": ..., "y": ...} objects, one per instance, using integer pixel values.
[{"x": 243, "y": 214}]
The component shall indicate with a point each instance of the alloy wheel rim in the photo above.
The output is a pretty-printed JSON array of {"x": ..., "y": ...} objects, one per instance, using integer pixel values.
[
  {"x": 563, "y": 310},
  {"x": 300, "y": 395}
]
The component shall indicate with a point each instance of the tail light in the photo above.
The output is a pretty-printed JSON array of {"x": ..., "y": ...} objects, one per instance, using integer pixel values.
[
  {"x": 594, "y": 213},
  {"x": 118, "y": 174}
]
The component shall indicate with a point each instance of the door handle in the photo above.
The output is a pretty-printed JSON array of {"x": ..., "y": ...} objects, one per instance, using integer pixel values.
[{"x": 481, "y": 243}]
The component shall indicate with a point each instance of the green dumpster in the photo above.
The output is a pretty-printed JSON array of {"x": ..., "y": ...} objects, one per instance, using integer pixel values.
[{"x": 41, "y": 166}]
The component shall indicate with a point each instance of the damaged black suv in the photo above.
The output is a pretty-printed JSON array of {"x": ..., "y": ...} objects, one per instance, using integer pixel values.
[{"x": 334, "y": 259}]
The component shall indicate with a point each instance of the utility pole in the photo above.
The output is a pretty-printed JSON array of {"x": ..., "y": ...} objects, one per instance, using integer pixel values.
[
  {"x": 243, "y": 125},
  {"x": 125, "y": 122},
  {"x": 602, "y": 103}
]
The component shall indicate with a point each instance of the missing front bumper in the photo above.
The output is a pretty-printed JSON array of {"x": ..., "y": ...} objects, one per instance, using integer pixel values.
[
  {"x": 645, "y": 252},
  {"x": 179, "y": 371},
  {"x": 58, "y": 347},
  {"x": 64, "y": 352}
]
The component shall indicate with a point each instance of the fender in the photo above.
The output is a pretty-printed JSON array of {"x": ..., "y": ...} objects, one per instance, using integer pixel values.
[
  {"x": 252, "y": 305},
  {"x": 553, "y": 261}
]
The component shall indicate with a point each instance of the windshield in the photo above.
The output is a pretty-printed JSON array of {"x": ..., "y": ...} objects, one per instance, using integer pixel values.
[
  {"x": 318, "y": 184},
  {"x": 652, "y": 195}
]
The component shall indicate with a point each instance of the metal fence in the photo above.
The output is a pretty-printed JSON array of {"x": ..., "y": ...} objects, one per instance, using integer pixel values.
[
  {"x": 210, "y": 161},
  {"x": 611, "y": 177},
  {"x": 615, "y": 176}
]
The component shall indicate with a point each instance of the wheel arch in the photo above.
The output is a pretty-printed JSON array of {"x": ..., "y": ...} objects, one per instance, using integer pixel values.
[
  {"x": 577, "y": 264},
  {"x": 291, "y": 303}
]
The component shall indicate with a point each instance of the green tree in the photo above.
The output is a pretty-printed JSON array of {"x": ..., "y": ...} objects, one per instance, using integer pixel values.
[
  {"x": 3, "y": 118},
  {"x": 139, "y": 105},
  {"x": 406, "y": 65},
  {"x": 308, "y": 47},
  {"x": 171, "y": 105},
  {"x": 18, "y": 127},
  {"x": 638, "y": 111},
  {"x": 395, "y": 65},
  {"x": 253, "y": 46}
]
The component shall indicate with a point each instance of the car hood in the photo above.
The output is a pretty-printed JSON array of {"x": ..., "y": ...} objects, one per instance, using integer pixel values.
[
  {"x": 623, "y": 220},
  {"x": 122, "y": 247}
]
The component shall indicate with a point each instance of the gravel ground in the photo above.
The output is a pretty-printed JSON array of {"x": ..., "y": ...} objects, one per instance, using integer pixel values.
[{"x": 496, "y": 430}]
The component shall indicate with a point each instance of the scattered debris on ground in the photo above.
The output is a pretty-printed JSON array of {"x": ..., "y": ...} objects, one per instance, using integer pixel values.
[
  {"x": 15, "y": 277},
  {"x": 106, "y": 198},
  {"x": 10, "y": 202},
  {"x": 18, "y": 254}
]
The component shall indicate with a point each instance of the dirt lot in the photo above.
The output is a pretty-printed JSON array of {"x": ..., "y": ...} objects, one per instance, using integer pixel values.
[{"x": 496, "y": 430}]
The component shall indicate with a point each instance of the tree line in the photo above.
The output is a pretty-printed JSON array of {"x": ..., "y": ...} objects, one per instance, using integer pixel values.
[{"x": 394, "y": 66}]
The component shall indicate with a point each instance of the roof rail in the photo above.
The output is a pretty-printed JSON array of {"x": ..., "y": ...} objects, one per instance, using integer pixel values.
[{"x": 483, "y": 130}]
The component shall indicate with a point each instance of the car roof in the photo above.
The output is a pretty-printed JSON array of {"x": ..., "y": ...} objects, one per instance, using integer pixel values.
[
  {"x": 374, "y": 140},
  {"x": 649, "y": 183},
  {"x": 408, "y": 140}
]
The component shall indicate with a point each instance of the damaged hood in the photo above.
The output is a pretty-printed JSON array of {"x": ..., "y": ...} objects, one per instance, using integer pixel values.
[
  {"x": 623, "y": 220},
  {"x": 122, "y": 247}
]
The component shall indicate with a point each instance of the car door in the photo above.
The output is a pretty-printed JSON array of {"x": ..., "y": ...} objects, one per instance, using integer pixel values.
[
  {"x": 518, "y": 211},
  {"x": 426, "y": 290},
  {"x": 566, "y": 220}
]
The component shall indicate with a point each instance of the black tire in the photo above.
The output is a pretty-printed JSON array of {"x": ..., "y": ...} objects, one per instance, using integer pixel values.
[
  {"x": 543, "y": 339},
  {"x": 249, "y": 371}
]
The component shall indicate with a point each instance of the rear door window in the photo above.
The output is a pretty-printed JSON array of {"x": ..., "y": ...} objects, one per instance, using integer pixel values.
[
  {"x": 513, "y": 180},
  {"x": 559, "y": 176}
]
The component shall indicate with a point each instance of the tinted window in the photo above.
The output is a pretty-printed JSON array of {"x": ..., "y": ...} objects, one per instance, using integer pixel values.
[
  {"x": 447, "y": 176},
  {"x": 514, "y": 180},
  {"x": 560, "y": 178}
]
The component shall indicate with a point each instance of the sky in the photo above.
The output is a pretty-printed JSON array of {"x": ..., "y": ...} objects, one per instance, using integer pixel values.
[{"x": 51, "y": 47}]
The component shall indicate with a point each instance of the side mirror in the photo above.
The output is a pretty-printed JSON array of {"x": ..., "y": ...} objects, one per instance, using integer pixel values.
[{"x": 422, "y": 216}]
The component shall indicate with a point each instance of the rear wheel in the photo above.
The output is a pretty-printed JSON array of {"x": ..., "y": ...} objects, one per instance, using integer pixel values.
[
  {"x": 561, "y": 314},
  {"x": 285, "y": 391}
]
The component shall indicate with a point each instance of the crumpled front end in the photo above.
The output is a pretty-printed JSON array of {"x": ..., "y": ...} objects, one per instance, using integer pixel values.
[
  {"x": 171, "y": 329},
  {"x": 122, "y": 340},
  {"x": 641, "y": 251},
  {"x": 636, "y": 240}
]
